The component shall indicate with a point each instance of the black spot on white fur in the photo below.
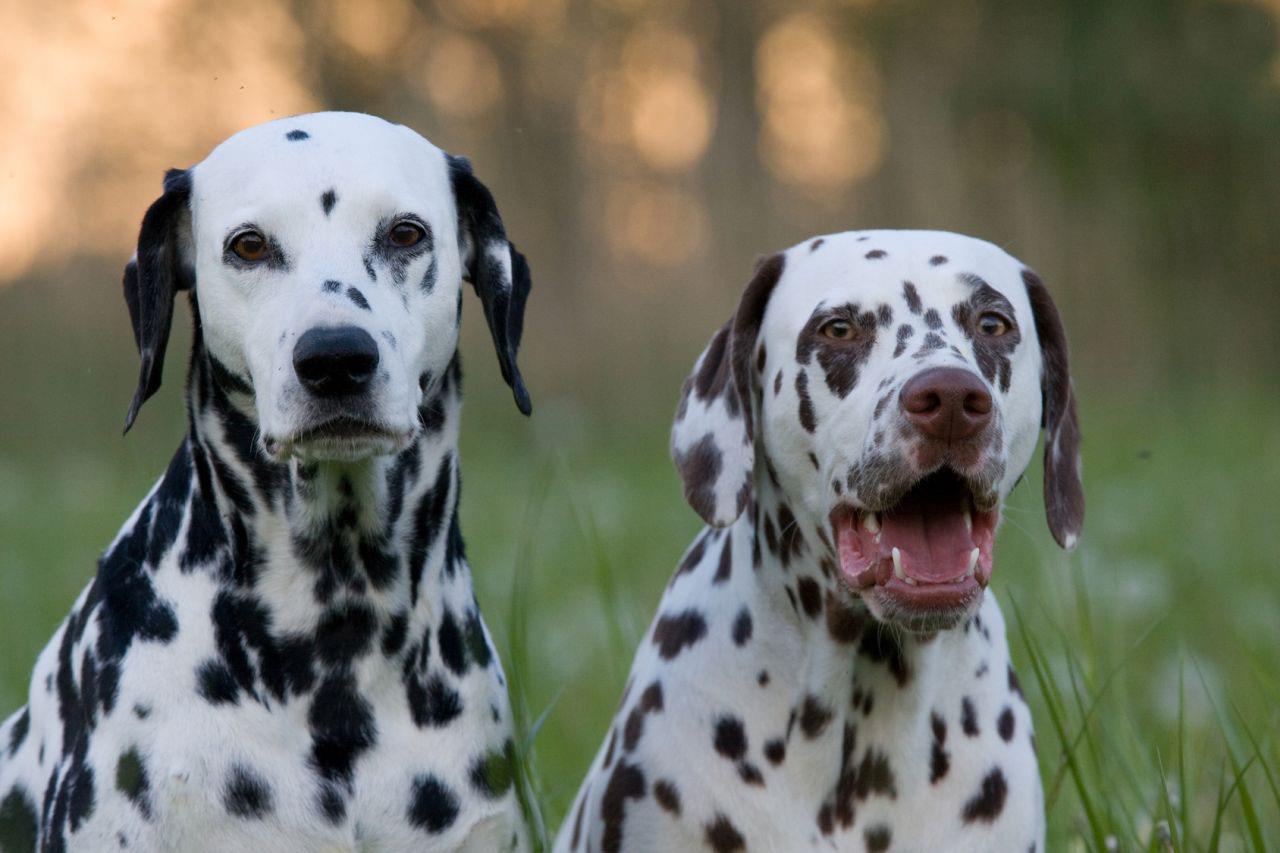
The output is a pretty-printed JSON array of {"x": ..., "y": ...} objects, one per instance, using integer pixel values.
[
  {"x": 433, "y": 806},
  {"x": 357, "y": 299},
  {"x": 247, "y": 795}
]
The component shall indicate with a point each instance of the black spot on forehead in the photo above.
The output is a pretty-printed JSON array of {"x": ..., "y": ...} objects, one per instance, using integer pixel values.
[
  {"x": 813, "y": 247},
  {"x": 972, "y": 279},
  {"x": 876, "y": 254},
  {"x": 937, "y": 260},
  {"x": 328, "y": 200},
  {"x": 332, "y": 286},
  {"x": 909, "y": 293},
  {"x": 297, "y": 135},
  {"x": 932, "y": 319}
]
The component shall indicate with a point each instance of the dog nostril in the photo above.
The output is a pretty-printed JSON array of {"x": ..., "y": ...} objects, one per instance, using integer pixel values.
[
  {"x": 977, "y": 403},
  {"x": 922, "y": 402},
  {"x": 335, "y": 361}
]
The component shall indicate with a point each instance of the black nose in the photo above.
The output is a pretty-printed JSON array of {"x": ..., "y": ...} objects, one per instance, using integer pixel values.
[{"x": 335, "y": 361}]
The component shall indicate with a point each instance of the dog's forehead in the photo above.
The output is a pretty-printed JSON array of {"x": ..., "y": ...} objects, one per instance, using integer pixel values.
[
  {"x": 873, "y": 268},
  {"x": 360, "y": 158}
]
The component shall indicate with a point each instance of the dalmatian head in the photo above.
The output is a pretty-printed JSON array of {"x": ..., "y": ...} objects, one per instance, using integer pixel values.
[
  {"x": 891, "y": 386},
  {"x": 325, "y": 256}
]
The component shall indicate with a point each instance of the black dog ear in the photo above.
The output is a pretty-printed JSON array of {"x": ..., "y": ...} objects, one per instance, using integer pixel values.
[
  {"x": 1063, "y": 491},
  {"x": 713, "y": 437},
  {"x": 495, "y": 269},
  {"x": 154, "y": 276}
]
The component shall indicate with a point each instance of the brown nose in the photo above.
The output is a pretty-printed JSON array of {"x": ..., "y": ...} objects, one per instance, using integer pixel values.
[{"x": 947, "y": 403}]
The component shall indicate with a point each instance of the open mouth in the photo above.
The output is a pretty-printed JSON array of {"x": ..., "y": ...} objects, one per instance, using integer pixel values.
[
  {"x": 931, "y": 551},
  {"x": 339, "y": 438}
]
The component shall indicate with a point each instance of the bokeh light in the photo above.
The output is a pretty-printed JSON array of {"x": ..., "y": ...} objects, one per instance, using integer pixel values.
[
  {"x": 819, "y": 100},
  {"x": 460, "y": 75}
]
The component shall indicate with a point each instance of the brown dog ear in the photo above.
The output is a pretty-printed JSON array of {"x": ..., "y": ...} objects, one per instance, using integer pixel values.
[
  {"x": 1063, "y": 491},
  {"x": 153, "y": 278},
  {"x": 713, "y": 437}
]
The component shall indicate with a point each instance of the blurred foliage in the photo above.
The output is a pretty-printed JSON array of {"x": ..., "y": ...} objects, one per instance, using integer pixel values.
[{"x": 643, "y": 154}]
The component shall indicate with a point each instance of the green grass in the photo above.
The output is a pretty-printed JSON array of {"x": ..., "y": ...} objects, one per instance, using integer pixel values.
[{"x": 1149, "y": 655}]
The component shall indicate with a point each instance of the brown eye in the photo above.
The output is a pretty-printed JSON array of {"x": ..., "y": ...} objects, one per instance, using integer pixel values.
[
  {"x": 992, "y": 324},
  {"x": 838, "y": 330},
  {"x": 250, "y": 246},
  {"x": 405, "y": 234}
]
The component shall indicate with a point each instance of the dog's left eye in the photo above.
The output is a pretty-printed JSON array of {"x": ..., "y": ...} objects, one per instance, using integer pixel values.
[
  {"x": 838, "y": 330},
  {"x": 250, "y": 246},
  {"x": 993, "y": 325},
  {"x": 405, "y": 234}
]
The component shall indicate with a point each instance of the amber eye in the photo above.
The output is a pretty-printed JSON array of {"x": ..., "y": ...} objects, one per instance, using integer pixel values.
[
  {"x": 993, "y": 325},
  {"x": 250, "y": 246},
  {"x": 838, "y": 330},
  {"x": 405, "y": 234}
]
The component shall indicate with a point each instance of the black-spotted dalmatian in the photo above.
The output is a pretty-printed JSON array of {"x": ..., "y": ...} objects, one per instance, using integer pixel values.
[
  {"x": 825, "y": 671},
  {"x": 281, "y": 650}
]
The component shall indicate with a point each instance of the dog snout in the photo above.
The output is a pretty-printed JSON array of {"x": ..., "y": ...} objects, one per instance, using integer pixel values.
[
  {"x": 336, "y": 361},
  {"x": 949, "y": 404}
]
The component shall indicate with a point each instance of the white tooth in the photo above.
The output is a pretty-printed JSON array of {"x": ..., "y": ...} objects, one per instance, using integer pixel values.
[
  {"x": 973, "y": 561},
  {"x": 869, "y": 521},
  {"x": 910, "y": 581},
  {"x": 968, "y": 520},
  {"x": 897, "y": 565}
]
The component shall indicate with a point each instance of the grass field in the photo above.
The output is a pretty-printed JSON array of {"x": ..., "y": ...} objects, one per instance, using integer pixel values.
[{"x": 1150, "y": 654}]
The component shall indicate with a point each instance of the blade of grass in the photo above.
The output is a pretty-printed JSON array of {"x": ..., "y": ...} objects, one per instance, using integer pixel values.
[
  {"x": 1184, "y": 790},
  {"x": 1257, "y": 751},
  {"x": 528, "y": 789},
  {"x": 1053, "y": 702},
  {"x": 622, "y": 637},
  {"x": 1246, "y": 799}
]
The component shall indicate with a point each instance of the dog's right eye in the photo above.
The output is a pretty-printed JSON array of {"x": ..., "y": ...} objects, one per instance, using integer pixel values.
[
  {"x": 837, "y": 330},
  {"x": 405, "y": 233},
  {"x": 250, "y": 246}
]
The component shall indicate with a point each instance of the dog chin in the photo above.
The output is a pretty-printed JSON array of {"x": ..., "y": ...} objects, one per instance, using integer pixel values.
[
  {"x": 339, "y": 440},
  {"x": 913, "y": 618}
]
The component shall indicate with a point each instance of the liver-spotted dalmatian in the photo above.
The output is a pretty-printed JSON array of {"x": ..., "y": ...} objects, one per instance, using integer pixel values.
[
  {"x": 281, "y": 650},
  {"x": 826, "y": 670}
]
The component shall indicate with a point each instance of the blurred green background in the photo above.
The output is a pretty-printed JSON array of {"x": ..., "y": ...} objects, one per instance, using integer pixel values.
[{"x": 643, "y": 155}]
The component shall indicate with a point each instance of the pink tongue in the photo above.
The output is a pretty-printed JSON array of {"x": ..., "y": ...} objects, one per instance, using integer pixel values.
[{"x": 932, "y": 539}]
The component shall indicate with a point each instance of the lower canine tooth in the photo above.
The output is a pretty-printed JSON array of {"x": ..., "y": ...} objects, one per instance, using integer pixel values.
[
  {"x": 973, "y": 561},
  {"x": 897, "y": 565}
]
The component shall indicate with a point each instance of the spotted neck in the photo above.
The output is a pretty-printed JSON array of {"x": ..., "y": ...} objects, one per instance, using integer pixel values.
[{"x": 386, "y": 526}]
